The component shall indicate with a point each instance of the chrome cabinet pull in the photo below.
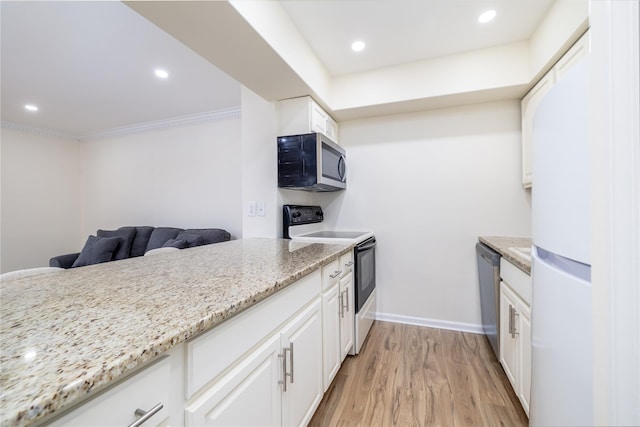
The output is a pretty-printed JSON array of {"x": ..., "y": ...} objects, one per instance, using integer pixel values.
[
  {"x": 291, "y": 360},
  {"x": 145, "y": 415},
  {"x": 340, "y": 306},
  {"x": 283, "y": 381},
  {"x": 286, "y": 374},
  {"x": 511, "y": 320},
  {"x": 349, "y": 264},
  {"x": 346, "y": 292},
  {"x": 335, "y": 274}
]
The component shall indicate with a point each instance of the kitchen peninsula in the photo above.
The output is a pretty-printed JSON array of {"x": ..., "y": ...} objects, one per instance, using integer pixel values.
[{"x": 68, "y": 334}]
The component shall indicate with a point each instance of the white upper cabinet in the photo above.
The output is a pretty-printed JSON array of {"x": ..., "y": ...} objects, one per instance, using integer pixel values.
[
  {"x": 304, "y": 115},
  {"x": 532, "y": 99}
]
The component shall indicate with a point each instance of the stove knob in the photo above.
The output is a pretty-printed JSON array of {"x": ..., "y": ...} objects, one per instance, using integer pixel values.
[
  {"x": 318, "y": 213},
  {"x": 296, "y": 214}
]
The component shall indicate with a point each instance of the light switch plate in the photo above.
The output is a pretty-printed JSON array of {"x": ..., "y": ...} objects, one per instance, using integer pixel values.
[
  {"x": 252, "y": 209},
  {"x": 261, "y": 209}
]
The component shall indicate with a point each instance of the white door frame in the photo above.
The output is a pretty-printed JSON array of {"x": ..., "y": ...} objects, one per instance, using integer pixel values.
[{"x": 616, "y": 210}]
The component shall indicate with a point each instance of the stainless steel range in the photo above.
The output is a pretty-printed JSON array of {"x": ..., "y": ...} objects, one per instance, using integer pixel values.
[{"x": 305, "y": 224}]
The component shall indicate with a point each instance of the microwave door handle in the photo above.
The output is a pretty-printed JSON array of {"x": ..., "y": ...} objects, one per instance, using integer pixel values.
[{"x": 342, "y": 168}]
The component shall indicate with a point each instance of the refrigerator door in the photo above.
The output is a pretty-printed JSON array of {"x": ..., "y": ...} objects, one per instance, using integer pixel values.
[
  {"x": 561, "y": 168},
  {"x": 561, "y": 384}
]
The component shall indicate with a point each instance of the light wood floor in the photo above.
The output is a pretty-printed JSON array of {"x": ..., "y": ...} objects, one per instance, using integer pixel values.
[{"x": 416, "y": 376}]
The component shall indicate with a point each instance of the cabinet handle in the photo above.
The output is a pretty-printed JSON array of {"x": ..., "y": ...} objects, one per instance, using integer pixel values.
[
  {"x": 349, "y": 264},
  {"x": 511, "y": 320},
  {"x": 283, "y": 355},
  {"x": 346, "y": 293},
  {"x": 286, "y": 374},
  {"x": 340, "y": 305},
  {"x": 291, "y": 361},
  {"x": 335, "y": 274},
  {"x": 145, "y": 415}
]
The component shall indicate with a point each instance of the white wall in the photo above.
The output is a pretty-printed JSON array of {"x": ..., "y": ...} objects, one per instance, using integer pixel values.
[
  {"x": 259, "y": 172},
  {"x": 41, "y": 198},
  {"x": 187, "y": 177},
  {"x": 428, "y": 184}
]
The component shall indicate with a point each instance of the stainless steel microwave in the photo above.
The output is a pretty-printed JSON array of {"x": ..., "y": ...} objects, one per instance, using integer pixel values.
[{"x": 311, "y": 162}]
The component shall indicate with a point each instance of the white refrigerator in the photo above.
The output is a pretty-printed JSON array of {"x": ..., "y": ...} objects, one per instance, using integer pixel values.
[{"x": 562, "y": 380}]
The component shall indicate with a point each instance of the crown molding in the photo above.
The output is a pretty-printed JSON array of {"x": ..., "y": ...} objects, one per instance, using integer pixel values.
[
  {"x": 192, "y": 119},
  {"x": 38, "y": 131}
]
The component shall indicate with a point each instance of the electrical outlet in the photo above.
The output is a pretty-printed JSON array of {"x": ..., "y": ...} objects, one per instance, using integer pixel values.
[
  {"x": 252, "y": 209},
  {"x": 261, "y": 208}
]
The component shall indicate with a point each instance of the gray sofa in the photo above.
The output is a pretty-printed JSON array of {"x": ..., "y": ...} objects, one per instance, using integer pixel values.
[{"x": 129, "y": 242}]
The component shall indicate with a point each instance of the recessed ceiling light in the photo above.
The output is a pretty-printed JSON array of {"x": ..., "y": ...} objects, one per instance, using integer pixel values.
[
  {"x": 487, "y": 16},
  {"x": 162, "y": 74},
  {"x": 31, "y": 107},
  {"x": 357, "y": 46}
]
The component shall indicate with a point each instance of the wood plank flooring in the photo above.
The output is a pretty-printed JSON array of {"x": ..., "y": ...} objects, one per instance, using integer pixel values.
[{"x": 416, "y": 376}]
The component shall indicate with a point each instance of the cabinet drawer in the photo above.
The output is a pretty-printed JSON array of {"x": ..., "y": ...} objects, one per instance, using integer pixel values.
[
  {"x": 331, "y": 274},
  {"x": 117, "y": 405},
  {"x": 212, "y": 353},
  {"x": 346, "y": 264},
  {"x": 517, "y": 279}
]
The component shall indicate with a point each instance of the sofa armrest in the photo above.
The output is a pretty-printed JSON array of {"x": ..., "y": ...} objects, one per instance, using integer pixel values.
[{"x": 63, "y": 261}]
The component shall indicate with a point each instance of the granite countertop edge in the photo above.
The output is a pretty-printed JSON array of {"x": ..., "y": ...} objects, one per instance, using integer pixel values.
[
  {"x": 90, "y": 383},
  {"x": 503, "y": 245}
]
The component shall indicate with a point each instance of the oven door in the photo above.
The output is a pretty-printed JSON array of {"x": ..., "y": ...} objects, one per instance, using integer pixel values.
[{"x": 365, "y": 256}]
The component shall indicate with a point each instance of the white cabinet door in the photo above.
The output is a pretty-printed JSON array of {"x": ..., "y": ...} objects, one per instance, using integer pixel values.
[
  {"x": 331, "y": 334},
  {"x": 304, "y": 115},
  {"x": 578, "y": 51},
  {"x": 318, "y": 118},
  {"x": 303, "y": 338},
  {"x": 529, "y": 106},
  {"x": 508, "y": 340},
  {"x": 248, "y": 395},
  {"x": 525, "y": 356},
  {"x": 515, "y": 342},
  {"x": 347, "y": 315},
  {"x": 531, "y": 101}
]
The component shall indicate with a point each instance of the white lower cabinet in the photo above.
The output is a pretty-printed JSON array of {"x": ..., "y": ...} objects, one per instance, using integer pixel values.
[
  {"x": 330, "y": 334},
  {"x": 121, "y": 405},
  {"x": 248, "y": 395},
  {"x": 264, "y": 366},
  {"x": 337, "y": 315},
  {"x": 302, "y": 388},
  {"x": 515, "y": 342},
  {"x": 347, "y": 315},
  {"x": 279, "y": 383}
]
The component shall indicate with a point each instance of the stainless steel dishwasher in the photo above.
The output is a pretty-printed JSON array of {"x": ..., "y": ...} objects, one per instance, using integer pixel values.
[{"x": 489, "y": 281}]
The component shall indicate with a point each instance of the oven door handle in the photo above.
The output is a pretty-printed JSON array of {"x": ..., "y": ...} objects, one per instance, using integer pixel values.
[{"x": 367, "y": 246}]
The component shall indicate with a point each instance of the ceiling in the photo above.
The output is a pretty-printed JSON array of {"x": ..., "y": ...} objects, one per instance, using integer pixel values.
[
  {"x": 89, "y": 66},
  {"x": 401, "y": 31}
]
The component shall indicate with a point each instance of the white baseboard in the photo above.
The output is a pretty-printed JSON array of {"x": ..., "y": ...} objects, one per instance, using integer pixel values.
[{"x": 430, "y": 323}]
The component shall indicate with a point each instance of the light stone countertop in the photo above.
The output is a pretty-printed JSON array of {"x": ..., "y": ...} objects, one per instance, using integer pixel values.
[
  {"x": 503, "y": 246},
  {"x": 65, "y": 334}
]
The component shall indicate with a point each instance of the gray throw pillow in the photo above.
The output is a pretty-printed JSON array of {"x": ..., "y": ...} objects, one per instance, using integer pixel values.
[
  {"x": 210, "y": 235},
  {"x": 97, "y": 250},
  {"x": 126, "y": 234},
  {"x": 175, "y": 243},
  {"x": 192, "y": 239},
  {"x": 160, "y": 235}
]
